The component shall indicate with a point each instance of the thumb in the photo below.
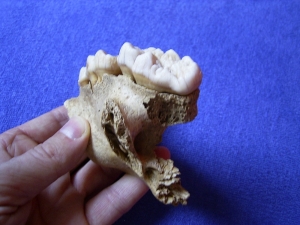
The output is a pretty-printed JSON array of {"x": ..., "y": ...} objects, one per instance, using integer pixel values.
[{"x": 25, "y": 176}]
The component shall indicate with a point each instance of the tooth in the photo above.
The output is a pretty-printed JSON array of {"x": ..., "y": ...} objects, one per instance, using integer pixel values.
[
  {"x": 155, "y": 51},
  {"x": 83, "y": 77},
  {"x": 166, "y": 72},
  {"x": 99, "y": 64},
  {"x": 169, "y": 58},
  {"x": 91, "y": 68},
  {"x": 145, "y": 68},
  {"x": 127, "y": 57}
]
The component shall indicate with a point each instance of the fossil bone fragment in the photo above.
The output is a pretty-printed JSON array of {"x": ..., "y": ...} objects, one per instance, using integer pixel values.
[{"x": 127, "y": 121}]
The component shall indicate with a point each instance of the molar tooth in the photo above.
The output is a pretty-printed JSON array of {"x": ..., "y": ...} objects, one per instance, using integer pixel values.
[
  {"x": 191, "y": 74},
  {"x": 127, "y": 56},
  {"x": 169, "y": 58},
  {"x": 155, "y": 51},
  {"x": 163, "y": 72},
  {"x": 145, "y": 69}
]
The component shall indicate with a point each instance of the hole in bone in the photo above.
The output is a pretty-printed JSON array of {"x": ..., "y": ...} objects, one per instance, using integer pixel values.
[
  {"x": 149, "y": 173},
  {"x": 121, "y": 131},
  {"x": 145, "y": 105},
  {"x": 114, "y": 142},
  {"x": 145, "y": 142},
  {"x": 141, "y": 143},
  {"x": 111, "y": 117},
  {"x": 118, "y": 136}
]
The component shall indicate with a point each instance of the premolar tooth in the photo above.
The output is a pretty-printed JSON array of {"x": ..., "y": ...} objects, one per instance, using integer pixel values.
[
  {"x": 83, "y": 77},
  {"x": 126, "y": 58},
  {"x": 91, "y": 68},
  {"x": 99, "y": 64}
]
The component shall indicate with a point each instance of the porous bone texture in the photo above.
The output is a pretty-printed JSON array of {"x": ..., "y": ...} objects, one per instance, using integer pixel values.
[{"x": 127, "y": 121}]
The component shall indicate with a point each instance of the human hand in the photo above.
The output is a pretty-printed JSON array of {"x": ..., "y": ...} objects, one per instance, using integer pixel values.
[{"x": 46, "y": 178}]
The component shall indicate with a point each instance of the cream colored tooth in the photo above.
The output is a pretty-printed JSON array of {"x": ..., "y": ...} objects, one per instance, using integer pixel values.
[
  {"x": 155, "y": 51},
  {"x": 126, "y": 58},
  {"x": 192, "y": 75},
  {"x": 166, "y": 72},
  {"x": 144, "y": 65},
  {"x": 91, "y": 68},
  {"x": 148, "y": 72},
  {"x": 101, "y": 63},
  {"x": 169, "y": 58},
  {"x": 106, "y": 63},
  {"x": 83, "y": 77}
]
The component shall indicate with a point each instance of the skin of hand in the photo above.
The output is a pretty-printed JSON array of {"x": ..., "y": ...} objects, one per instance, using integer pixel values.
[{"x": 46, "y": 177}]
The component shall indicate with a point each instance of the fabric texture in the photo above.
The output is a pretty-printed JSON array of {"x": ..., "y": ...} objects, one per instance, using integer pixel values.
[{"x": 240, "y": 157}]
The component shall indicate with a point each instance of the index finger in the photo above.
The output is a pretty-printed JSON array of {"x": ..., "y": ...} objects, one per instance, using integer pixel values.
[{"x": 40, "y": 128}]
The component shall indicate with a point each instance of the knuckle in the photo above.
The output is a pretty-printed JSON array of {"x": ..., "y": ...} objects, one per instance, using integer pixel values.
[
  {"x": 117, "y": 202},
  {"x": 48, "y": 152}
]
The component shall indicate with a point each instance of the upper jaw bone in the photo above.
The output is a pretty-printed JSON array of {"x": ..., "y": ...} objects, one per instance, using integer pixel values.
[{"x": 166, "y": 72}]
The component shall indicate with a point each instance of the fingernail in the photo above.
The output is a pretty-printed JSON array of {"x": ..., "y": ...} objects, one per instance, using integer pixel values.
[{"x": 74, "y": 128}]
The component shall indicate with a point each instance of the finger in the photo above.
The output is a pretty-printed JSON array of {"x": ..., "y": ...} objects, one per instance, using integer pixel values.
[
  {"x": 115, "y": 200},
  {"x": 23, "y": 177},
  {"x": 20, "y": 144},
  {"x": 162, "y": 152},
  {"x": 93, "y": 178},
  {"x": 53, "y": 121},
  {"x": 38, "y": 129}
]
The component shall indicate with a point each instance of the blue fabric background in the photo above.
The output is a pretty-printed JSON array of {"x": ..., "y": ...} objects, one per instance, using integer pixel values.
[{"x": 240, "y": 158}]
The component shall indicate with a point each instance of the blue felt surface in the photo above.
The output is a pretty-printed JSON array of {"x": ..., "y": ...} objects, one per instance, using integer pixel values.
[{"x": 240, "y": 158}]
